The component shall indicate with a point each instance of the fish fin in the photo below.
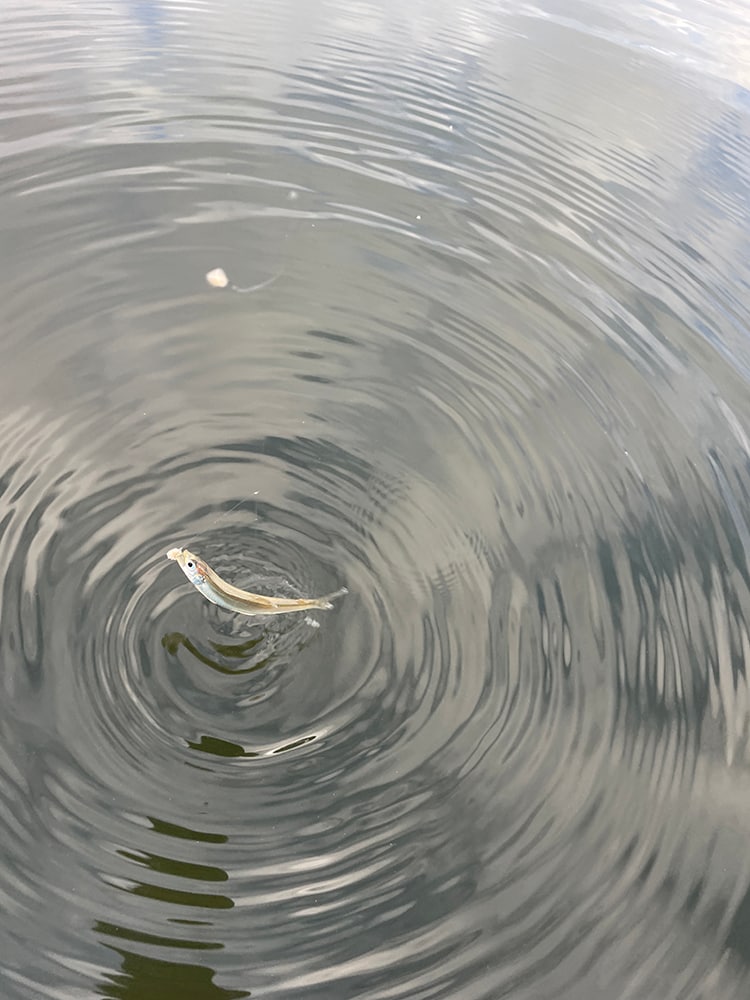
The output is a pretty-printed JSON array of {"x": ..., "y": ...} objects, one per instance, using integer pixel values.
[{"x": 326, "y": 603}]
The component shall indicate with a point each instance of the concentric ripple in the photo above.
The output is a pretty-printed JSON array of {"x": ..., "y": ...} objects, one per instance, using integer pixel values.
[{"x": 493, "y": 381}]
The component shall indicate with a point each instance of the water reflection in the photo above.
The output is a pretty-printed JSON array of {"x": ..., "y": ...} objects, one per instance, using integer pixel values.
[
  {"x": 499, "y": 386},
  {"x": 145, "y": 978},
  {"x": 180, "y": 886},
  {"x": 228, "y": 651}
]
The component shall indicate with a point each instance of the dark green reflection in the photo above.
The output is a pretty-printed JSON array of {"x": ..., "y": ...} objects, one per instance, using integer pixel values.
[
  {"x": 128, "y": 934},
  {"x": 170, "y": 866},
  {"x": 223, "y": 748},
  {"x": 143, "y": 978},
  {"x": 185, "y": 833},
  {"x": 236, "y": 651},
  {"x": 180, "y": 897},
  {"x": 178, "y": 869}
]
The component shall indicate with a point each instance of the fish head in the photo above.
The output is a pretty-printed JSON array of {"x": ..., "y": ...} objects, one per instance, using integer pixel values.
[{"x": 191, "y": 565}]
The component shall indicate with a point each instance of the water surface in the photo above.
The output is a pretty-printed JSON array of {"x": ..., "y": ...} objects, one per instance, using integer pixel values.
[{"x": 495, "y": 383}]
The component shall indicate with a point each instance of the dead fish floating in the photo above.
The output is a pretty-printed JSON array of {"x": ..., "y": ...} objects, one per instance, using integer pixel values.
[{"x": 218, "y": 591}]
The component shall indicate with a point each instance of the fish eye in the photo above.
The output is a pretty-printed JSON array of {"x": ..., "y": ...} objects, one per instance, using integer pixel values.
[{"x": 190, "y": 564}]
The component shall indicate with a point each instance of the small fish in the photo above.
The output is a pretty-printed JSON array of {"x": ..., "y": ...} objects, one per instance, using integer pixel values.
[{"x": 218, "y": 591}]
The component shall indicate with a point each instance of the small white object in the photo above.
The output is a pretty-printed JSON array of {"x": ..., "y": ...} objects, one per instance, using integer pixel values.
[
  {"x": 217, "y": 278},
  {"x": 311, "y": 622}
]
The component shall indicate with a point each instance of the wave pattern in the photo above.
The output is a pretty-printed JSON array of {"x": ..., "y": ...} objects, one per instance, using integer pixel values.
[{"x": 495, "y": 383}]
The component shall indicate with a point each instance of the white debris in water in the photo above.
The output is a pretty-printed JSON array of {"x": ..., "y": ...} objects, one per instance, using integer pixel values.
[
  {"x": 217, "y": 278},
  {"x": 311, "y": 622}
]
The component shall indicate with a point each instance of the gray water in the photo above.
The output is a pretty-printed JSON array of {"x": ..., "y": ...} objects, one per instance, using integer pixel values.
[{"x": 494, "y": 381}]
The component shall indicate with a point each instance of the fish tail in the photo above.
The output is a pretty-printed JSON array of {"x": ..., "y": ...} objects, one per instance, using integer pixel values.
[{"x": 325, "y": 603}]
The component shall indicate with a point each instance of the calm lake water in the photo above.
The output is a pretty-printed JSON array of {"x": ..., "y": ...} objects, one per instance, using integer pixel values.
[{"x": 484, "y": 360}]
